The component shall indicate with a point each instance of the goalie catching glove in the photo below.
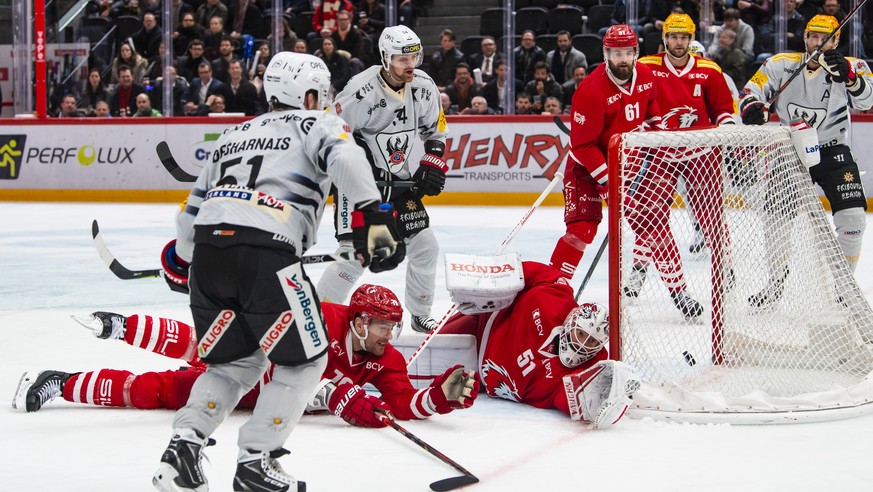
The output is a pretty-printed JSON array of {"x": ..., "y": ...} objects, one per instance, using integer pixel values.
[
  {"x": 453, "y": 390},
  {"x": 351, "y": 403},
  {"x": 175, "y": 268},
  {"x": 431, "y": 175},
  {"x": 374, "y": 235},
  {"x": 601, "y": 394}
]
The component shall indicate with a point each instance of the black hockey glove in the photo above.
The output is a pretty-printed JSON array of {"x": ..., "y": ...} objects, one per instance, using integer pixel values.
[
  {"x": 836, "y": 64},
  {"x": 374, "y": 234},
  {"x": 431, "y": 175},
  {"x": 754, "y": 112},
  {"x": 175, "y": 268}
]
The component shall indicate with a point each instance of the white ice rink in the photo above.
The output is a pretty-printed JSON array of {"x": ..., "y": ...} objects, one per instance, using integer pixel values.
[{"x": 49, "y": 269}]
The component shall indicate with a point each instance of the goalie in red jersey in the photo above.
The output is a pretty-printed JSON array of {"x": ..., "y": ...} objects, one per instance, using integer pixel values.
[
  {"x": 618, "y": 96},
  {"x": 538, "y": 346},
  {"x": 359, "y": 353}
]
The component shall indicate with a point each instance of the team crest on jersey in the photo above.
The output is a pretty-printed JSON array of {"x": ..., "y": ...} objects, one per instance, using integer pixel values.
[
  {"x": 498, "y": 383},
  {"x": 395, "y": 148},
  {"x": 680, "y": 117},
  {"x": 813, "y": 117}
]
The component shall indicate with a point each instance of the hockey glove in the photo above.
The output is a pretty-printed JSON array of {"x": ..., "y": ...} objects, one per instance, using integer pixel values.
[
  {"x": 454, "y": 389},
  {"x": 840, "y": 69},
  {"x": 351, "y": 403},
  {"x": 374, "y": 235},
  {"x": 431, "y": 175},
  {"x": 754, "y": 112},
  {"x": 175, "y": 268}
]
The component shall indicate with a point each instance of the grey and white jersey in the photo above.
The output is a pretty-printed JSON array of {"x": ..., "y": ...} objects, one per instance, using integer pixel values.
[
  {"x": 273, "y": 174},
  {"x": 386, "y": 121},
  {"x": 822, "y": 103}
]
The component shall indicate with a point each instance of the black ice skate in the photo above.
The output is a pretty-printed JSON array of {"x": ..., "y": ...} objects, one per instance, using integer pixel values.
[
  {"x": 698, "y": 244},
  {"x": 180, "y": 469},
  {"x": 35, "y": 389},
  {"x": 771, "y": 293},
  {"x": 423, "y": 324},
  {"x": 105, "y": 325},
  {"x": 258, "y": 471},
  {"x": 635, "y": 280},
  {"x": 686, "y": 304}
]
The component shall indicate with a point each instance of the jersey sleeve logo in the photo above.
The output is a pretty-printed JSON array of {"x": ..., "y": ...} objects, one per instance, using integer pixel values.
[
  {"x": 759, "y": 79},
  {"x": 579, "y": 118}
]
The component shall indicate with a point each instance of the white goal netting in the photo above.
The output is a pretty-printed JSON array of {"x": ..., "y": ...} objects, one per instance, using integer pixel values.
[{"x": 763, "y": 321}]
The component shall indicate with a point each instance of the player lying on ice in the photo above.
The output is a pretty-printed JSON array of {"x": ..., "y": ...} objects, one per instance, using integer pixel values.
[
  {"x": 359, "y": 353},
  {"x": 541, "y": 348}
]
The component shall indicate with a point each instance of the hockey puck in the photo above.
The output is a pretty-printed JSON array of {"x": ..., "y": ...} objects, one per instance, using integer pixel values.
[{"x": 689, "y": 358}]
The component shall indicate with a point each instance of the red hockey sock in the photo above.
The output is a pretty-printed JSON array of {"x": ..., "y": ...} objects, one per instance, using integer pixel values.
[
  {"x": 105, "y": 387},
  {"x": 163, "y": 336}
]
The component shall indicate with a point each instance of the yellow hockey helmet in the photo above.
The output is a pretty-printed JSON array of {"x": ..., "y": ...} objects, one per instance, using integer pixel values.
[
  {"x": 680, "y": 23},
  {"x": 825, "y": 24}
]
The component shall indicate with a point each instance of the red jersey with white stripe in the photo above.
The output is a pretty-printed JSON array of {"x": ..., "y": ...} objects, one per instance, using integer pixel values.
[
  {"x": 601, "y": 108},
  {"x": 695, "y": 95}
]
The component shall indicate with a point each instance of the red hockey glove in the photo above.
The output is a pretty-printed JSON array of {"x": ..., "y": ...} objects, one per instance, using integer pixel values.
[
  {"x": 375, "y": 237},
  {"x": 454, "y": 389},
  {"x": 351, "y": 403},
  {"x": 431, "y": 175},
  {"x": 175, "y": 268},
  {"x": 840, "y": 69}
]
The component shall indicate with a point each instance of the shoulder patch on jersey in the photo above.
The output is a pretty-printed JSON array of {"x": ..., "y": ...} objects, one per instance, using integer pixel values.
[
  {"x": 441, "y": 122},
  {"x": 652, "y": 60},
  {"x": 795, "y": 57},
  {"x": 758, "y": 79},
  {"x": 702, "y": 62}
]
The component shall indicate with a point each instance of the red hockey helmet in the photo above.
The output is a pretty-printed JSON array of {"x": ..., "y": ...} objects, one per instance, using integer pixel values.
[
  {"x": 620, "y": 36},
  {"x": 374, "y": 301}
]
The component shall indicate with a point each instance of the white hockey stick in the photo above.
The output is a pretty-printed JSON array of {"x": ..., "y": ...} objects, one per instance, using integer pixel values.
[{"x": 559, "y": 176}]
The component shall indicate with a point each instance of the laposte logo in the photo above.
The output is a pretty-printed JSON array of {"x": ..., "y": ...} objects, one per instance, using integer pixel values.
[{"x": 11, "y": 150}]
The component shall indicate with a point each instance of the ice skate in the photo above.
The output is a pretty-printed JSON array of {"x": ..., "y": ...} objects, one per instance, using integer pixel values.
[
  {"x": 105, "y": 325},
  {"x": 771, "y": 293},
  {"x": 35, "y": 389},
  {"x": 423, "y": 324},
  {"x": 698, "y": 244},
  {"x": 635, "y": 281},
  {"x": 180, "y": 469},
  {"x": 686, "y": 304},
  {"x": 258, "y": 471}
]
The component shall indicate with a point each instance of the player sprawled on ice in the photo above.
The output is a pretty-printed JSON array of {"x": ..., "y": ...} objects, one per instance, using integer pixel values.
[
  {"x": 249, "y": 218},
  {"x": 388, "y": 106},
  {"x": 538, "y": 346},
  {"x": 821, "y": 96},
  {"x": 692, "y": 93},
  {"x": 360, "y": 352}
]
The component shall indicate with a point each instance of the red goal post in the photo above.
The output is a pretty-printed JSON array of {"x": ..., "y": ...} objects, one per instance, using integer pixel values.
[{"x": 785, "y": 332}]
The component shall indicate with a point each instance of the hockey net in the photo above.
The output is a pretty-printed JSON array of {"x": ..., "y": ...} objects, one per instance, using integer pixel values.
[{"x": 784, "y": 333}]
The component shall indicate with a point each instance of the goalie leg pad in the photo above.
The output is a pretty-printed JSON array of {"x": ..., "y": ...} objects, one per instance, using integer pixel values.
[
  {"x": 850, "y": 225},
  {"x": 601, "y": 394}
]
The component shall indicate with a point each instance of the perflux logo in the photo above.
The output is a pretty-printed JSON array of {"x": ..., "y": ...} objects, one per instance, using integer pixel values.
[{"x": 11, "y": 151}]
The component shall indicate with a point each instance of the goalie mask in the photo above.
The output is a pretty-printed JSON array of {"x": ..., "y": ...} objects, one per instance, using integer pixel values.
[
  {"x": 823, "y": 24},
  {"x": 379, "y": 310},
  {"x": 585, "y": 332}
]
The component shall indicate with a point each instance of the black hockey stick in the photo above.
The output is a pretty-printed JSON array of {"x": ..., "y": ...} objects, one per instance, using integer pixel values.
[
  {"x": 440, "y": 485},
  {"x": 561, "y": 125},
  {"x": 816, "y": 53},
  {"x": 125, "y": 273},
  {"x": 170, "y": 164}
]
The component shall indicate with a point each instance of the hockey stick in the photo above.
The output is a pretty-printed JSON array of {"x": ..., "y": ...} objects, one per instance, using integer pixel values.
[
  {"x": 561, "y": 126},
  {"x": 170, "y": 164},
  {"x": 816, "y": 53},
  {"x": 446, "y": 484},
  {"x": 631, "y": 192},
  {"x": 125, "y": 273},
  {"x": 559, "y": 176}
]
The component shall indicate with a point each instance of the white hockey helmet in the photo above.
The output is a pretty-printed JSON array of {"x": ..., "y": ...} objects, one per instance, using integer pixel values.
[
  {"x": 399, "y": 40},
  {"x": 585, "y": 332},
  {"x": 290, "y": 76}
]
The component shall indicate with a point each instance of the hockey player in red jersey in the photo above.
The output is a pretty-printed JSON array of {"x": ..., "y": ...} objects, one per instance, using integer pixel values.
[
  {"x": 618, "y": 96},
  {"x": 692, "y": 93},
  {"x": 359, "y": 353},
  {"x": 545, "y": 350}
]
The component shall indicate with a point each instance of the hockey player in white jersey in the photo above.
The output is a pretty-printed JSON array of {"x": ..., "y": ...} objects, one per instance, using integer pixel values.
[
  {"x": 387, "y": 106},
  {"x": 252, "y": 213},
  {"x": 821, "y": 96}
]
